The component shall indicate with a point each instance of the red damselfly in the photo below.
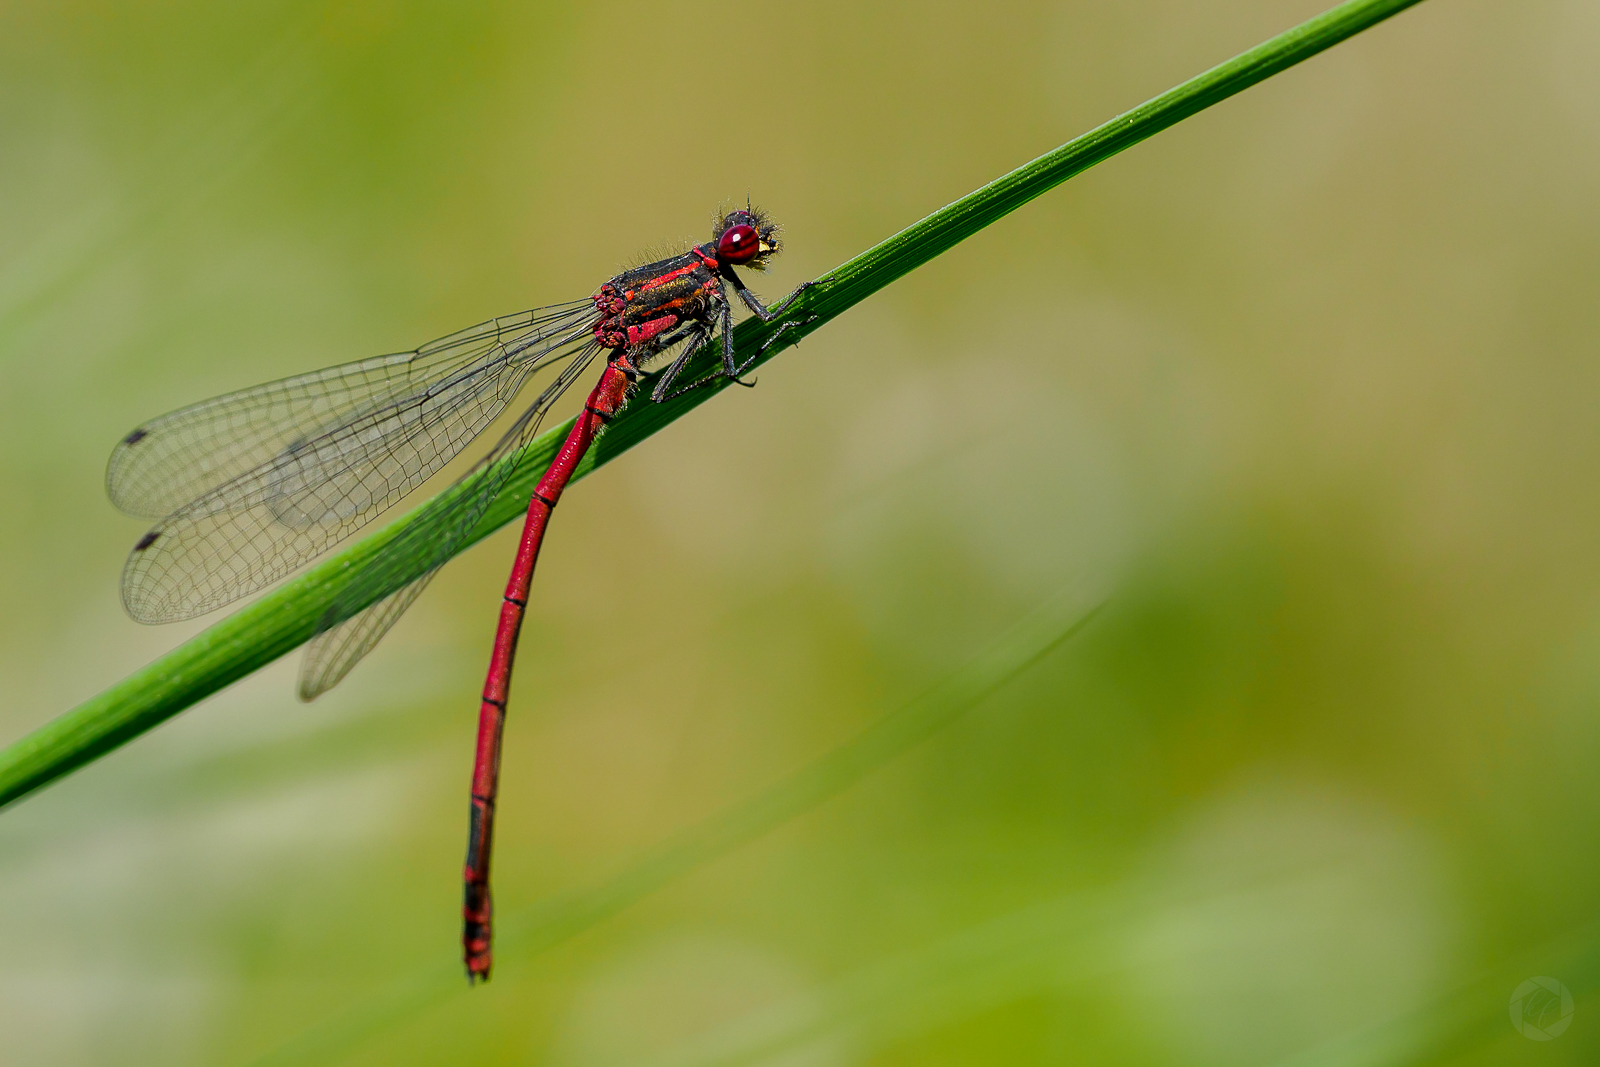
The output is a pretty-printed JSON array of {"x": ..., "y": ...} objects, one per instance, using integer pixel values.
[{"x": 250, "y": 485}]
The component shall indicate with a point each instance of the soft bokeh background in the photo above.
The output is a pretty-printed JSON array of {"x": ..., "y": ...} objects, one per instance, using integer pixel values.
[{"x": 1309, "y": 386}]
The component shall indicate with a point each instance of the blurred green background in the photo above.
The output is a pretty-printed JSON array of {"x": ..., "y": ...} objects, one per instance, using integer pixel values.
[{"x": 1307, "y": 387}]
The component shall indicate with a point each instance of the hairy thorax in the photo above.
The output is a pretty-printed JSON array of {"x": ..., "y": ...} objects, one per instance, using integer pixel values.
[{"x": 639, "y": 305}]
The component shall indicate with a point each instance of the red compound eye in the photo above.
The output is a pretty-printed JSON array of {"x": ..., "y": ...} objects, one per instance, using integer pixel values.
[{"x": 738, "y": 244}]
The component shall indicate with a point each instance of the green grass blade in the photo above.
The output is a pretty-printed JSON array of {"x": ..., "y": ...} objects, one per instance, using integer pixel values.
[{"x": 289, "y": 615}]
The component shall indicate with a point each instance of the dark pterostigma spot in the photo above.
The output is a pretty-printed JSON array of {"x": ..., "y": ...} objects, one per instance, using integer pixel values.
[
  {"x": 135, "y": 437},
  {"x": 147, "y": 540}
]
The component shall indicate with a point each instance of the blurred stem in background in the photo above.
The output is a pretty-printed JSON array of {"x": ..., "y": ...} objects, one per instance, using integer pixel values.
[
  {"x": 537, "y": 929},
  {"x": 292, "y": 614},
  {"x": 1057, "y": 947}
]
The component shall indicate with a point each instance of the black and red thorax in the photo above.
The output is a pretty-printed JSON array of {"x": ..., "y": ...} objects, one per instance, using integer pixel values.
[{"x": 639, "y": 305}]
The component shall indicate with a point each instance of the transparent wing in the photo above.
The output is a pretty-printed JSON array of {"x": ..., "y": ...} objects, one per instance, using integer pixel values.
[
  {"x": 429, "y": 541},
  {"x": 170, "y": 461},
  {"x": 286, "y": 470},
  {"x": 330, "y": 655}
]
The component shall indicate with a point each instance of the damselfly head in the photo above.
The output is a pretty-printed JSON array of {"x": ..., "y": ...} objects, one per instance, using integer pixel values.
[{"x": 747, "y": 238}]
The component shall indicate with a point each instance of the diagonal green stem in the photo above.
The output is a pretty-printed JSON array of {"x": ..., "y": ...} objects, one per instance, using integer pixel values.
[{"x": 289, "y": 615}]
